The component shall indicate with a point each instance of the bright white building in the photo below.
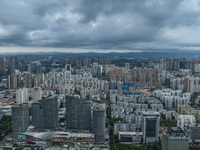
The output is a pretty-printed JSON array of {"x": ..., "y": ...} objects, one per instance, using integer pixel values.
[
  {"x": 185, "y": 119},
  {"x": 22, "y": 95},
  {"x": 37, "y": 93}
]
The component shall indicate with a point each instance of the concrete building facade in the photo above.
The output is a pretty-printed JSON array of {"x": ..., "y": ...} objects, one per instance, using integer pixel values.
[
  {"x": 20, "y": 118},
  {"x": 150, "y": 126},
  {"x": 2, "y": 66},
  {"x": 99, "y": 124},
  {"x": 45, "y": 113},
  {"x": 175, "y": 139}
]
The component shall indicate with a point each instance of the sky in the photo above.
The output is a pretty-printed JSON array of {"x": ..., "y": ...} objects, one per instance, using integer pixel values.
[{"x": 99, "y": 25}]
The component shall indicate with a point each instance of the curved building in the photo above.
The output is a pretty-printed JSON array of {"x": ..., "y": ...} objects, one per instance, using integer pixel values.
[{"x": 99, "y": 124}]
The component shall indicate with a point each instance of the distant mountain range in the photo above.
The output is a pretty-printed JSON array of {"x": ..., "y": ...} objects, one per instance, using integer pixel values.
[{"x": 114, "y": 54}]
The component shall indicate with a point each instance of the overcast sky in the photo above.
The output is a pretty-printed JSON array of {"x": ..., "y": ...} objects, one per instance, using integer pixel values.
[{"x": 99, "y": 25}]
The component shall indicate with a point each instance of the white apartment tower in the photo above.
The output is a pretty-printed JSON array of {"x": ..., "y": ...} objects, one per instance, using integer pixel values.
[{"x": 22, "y": 96}]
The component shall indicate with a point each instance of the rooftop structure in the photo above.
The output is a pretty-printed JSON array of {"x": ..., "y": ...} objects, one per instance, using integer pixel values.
[{"x": 175, "y": 139}]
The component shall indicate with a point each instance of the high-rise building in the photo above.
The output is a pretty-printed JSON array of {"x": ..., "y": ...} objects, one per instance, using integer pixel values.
[
  {"x": 20, "y": 118},
  {"x": 73, "y": 107},
  {"x": 37, "y": 115},
  {"x": 68, "y": 67},
  {"x": 78, "y": 113},
  {"x": 86, "y": 119},
  {"x": 176, "y": 64},
  {"x": 36, "y": 67},
  {"x": 190, "y": 65},
  {"x": 22, "y": 96},
  {"x": 173, "y": 63},
  {"x": 2, "y": 66},
  {"x": 85, "y": 62},
  {"x": 94, "y": 69},
  {"x": 38, "y": 79},
  {"x": 14, "y": 64},
  {"x": 45, "y": 113},
  {"x": 106, "y": 88},
  {"x": 150, "y": 126},
  {"x": 162, "y": 64},
  {"x": 147, "y": 75},
  {"x": 175, "y": 139},
  {"x": 169, "y": 63},
  {"x": 99, "y": 70},
  {"x": 28, "y": 80},
  {"x": 37, "y": 93},
  {"x": 99, "y": 124},
  {"x": 127, "y": 66},
  {"x": 119, "y": 87},
  {"x": 188, "y": 85},
  {"x": 14, "y": 81},
  {"x": 50, "y": 112}
]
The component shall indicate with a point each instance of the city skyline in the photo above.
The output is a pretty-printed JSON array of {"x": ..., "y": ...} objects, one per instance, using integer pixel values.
[
  {"x": 100, "y": 74},
  {"x": 108, "y": 102}
]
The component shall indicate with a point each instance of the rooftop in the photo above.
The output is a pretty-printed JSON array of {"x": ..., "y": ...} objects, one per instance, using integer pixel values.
[
  {"x": 130, "y": 133},
  {"x": 150, "y": 113}
]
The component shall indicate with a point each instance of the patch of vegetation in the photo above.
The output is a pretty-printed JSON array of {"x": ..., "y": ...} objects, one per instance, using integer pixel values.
[
  {"x": 167, "y": 122},
  {"x": 154, "y": 146},
  {"x": 194, "y": 147}
]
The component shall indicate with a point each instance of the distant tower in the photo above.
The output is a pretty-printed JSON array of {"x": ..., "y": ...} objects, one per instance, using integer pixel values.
[
  {"x": 36, "y": 67},
  {"x": 28, "y": 80},
  {"x": 99, "y": 124},
  {"x": 14, "y": 64},
  {"x": 106, "y": 88},
  {"x": 169, "y": 63},
  {"x": 150, "y": 126},
  {"x": 189, "y": 85},
  {"x": 20, "y": 118},
  {"x": 99, "y": 70},
  {"x": 127, "y": 66},
  {"x": 38, "y": 79},
  {"x": 14, "y": 81},
  {"x": 2, "y": 66},
  {"x": 68, "y": 67},
  {"x": 176, "y": 63}
]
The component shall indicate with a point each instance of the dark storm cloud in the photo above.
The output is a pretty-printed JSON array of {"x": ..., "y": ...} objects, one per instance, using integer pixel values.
[{"x": 101, "y": 24}]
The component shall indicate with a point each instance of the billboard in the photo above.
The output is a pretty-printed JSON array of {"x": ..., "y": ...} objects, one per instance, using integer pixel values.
[{"x": 21, "y": 137}]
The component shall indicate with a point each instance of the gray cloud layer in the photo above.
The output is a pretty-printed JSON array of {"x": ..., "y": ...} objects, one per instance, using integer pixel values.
[{"x": 144, "y": 25}]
